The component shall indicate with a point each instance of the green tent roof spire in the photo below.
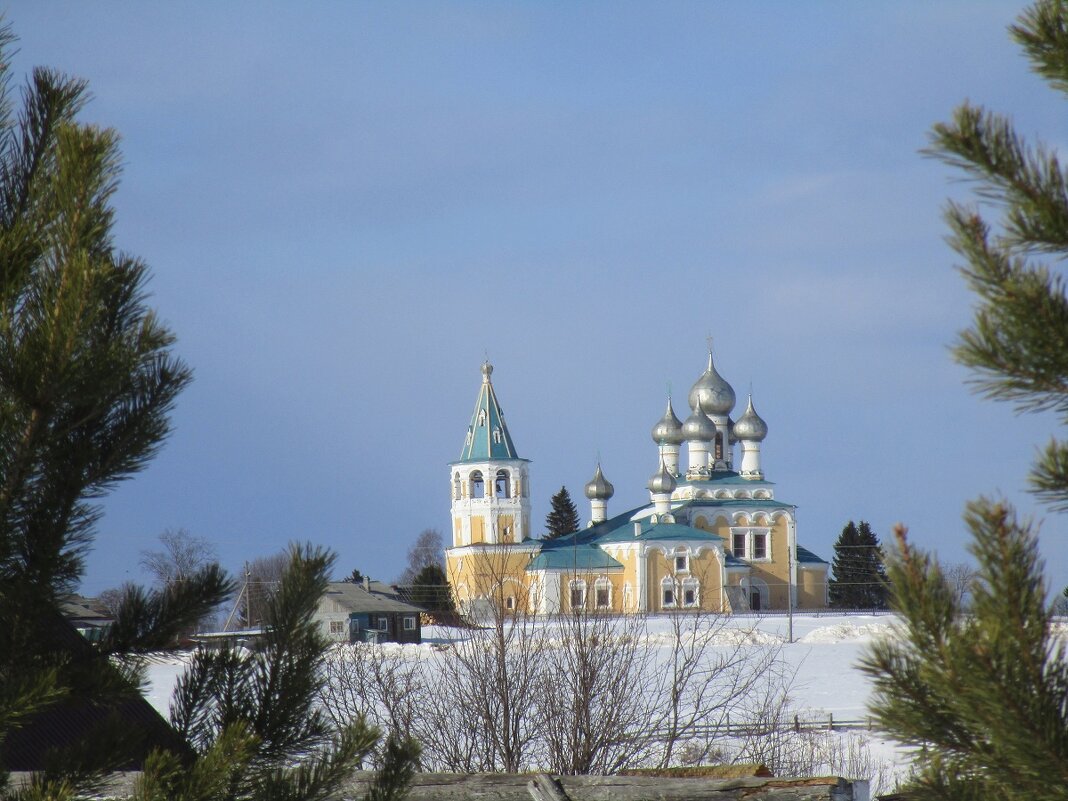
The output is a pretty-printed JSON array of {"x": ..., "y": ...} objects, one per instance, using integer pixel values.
[{"x": 487, "y": 436}]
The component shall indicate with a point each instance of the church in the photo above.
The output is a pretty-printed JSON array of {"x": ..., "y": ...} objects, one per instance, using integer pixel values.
[{"x": 713, "y": 536}]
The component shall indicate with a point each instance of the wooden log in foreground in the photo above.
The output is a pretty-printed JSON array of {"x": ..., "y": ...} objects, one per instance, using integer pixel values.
[{"x": 542, "y": 787}]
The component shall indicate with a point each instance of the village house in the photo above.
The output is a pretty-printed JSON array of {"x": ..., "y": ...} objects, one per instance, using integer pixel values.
[{"x": 355, "y": 613}]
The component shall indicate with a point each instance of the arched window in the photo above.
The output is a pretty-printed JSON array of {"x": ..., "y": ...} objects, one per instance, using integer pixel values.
[
  {"x": 578, "y": 594},
  {"x": 481, "y": 418},
  {"x": 456, "y": 486},
  {"x": 691, "y": 593},
  {"x": 603, "y": 593},
  {"x": 501, "y": 489},
  {"x": 478, "y": 486},
  {"x": 682, "y": 559},
  {"x": 496, "y": 435},
  {"x": 668, "y": 593}
]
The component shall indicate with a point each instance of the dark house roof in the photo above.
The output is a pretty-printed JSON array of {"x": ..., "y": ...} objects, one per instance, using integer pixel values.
[
  {"x": 129, "y": 723},
  {"x": 355, "y": 598}
]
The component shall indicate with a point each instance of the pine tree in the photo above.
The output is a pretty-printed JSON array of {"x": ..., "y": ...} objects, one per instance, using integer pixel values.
[
  {"x": 859, "y": 576},
  {"x": 87, "y": 382},
  {"x": 984, "y": 696},
  {"x": 255, "y": 721},
  {"x": 563, "y": 518}
]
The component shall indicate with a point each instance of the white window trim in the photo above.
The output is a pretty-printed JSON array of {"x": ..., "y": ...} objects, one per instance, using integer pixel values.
[
  {"x": 409, "y": 622},
  {"x": 748, "y": 532},
  {"x": 667, "y": 583},
  {"x": 602, "y": 584},
  {"x": 695, "y": 585},
  {"x": 681, "y": 553},
  {"x": 383, "y": 624},
  {"x": 576, "y": 584}
]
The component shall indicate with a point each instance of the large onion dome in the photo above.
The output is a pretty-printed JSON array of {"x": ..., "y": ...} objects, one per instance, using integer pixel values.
[
  {"x": 698, "y": 427},
  {"x": 712, "y": 392},
  {"x": 668, "y": 431},
  {"x": 662, "y": 482},
  {"x": 750, "y": 426},
  {"x": 599, "y": 488}
]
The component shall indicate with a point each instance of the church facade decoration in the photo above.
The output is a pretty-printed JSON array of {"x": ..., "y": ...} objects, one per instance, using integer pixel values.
[{"x": 712, "y": 537}]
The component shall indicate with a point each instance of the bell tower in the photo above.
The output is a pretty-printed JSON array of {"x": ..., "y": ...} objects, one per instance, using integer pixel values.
[{"x": 489, "y": 483}]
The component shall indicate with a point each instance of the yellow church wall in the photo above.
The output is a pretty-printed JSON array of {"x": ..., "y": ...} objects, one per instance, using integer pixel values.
[
  {"x": 492, "y": 572},
  {"x": 704, "y": 568},
  {"x": 505, "y": 525},
  {"x": 478, "y": 530},
  {"x": 811, "y": 588}
]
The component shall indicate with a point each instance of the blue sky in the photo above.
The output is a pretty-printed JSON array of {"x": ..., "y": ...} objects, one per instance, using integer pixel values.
[{"x": 346, "y": 205}]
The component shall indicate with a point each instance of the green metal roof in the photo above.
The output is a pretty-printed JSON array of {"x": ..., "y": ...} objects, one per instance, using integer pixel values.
[
  {"x": 734, "y": 503},
  {"x": 726, "y": 477},
  {"x": 576, "y": 557},
  {"x": 806, "y": 557},
  {"x": 487, "y": 436},
  {"x": 659, "y": 531}
]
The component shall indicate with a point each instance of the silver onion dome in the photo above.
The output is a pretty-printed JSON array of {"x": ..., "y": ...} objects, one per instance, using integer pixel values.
[
  {"x": 750, "y": 426},
  {"x": 668, "y": 430},
  {"x": 712, "y": 392},
  {"x": 662, "y": 482},
  {"x": 599, "y": 488},
  {"x": 698, "y": 427}
]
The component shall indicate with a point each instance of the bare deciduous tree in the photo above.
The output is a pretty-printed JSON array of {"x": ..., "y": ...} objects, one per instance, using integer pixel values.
[
  {"x": 429, "y": 549},
  {"x": 960, "y": 576},
  {"x": 181, "y": 557},
  {"x": 379, "y": 684},
  {"x": 594, "y": 693}
]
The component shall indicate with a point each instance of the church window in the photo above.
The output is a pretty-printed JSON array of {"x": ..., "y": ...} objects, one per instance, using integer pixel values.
[
  {"x": 456, "y": 486},
  {"x": 667, "y": 593},
  {"x": 682, "y": 560},
  {"x": 496, "y": 435},
  {"x": 689, "y": 592},
  {"x": 603, "y": 594},
  {"x": 738, "y": 545},
  {"x": 760, "y": 545},
  {"x": 478, "y": 486},
  {"x": 510, "y": 602},
  {"x": 719, "y": 446},
  {"x": 578, "y": 594},
  {"x": 500, "y": 486},
  {"x": 481, "y": 418}
]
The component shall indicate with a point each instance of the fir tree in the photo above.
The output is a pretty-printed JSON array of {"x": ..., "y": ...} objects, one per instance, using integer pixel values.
[
  {"x": 984, "y": 696},
  {"x": 431, "y": 591},
  {"x": 563, "y": 517},
  {"x": 859, "y": 576}
]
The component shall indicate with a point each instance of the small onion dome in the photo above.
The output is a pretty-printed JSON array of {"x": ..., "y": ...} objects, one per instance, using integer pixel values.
[
  {"x": 487, "y": 371},
  {"x": 712, "y": 392},
  {"x": 599, "y": 488},
  {"x": 662, "y": 482},
  {"x": 698, "y": 427},
  {"x": 750, "y": 426},
  {"x": 668, "y": 431}
]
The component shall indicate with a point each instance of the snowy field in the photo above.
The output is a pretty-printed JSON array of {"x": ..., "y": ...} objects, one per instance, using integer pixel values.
[
  {"x": 824, "y": 654},
  {"x": 823, "y": 657}
]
